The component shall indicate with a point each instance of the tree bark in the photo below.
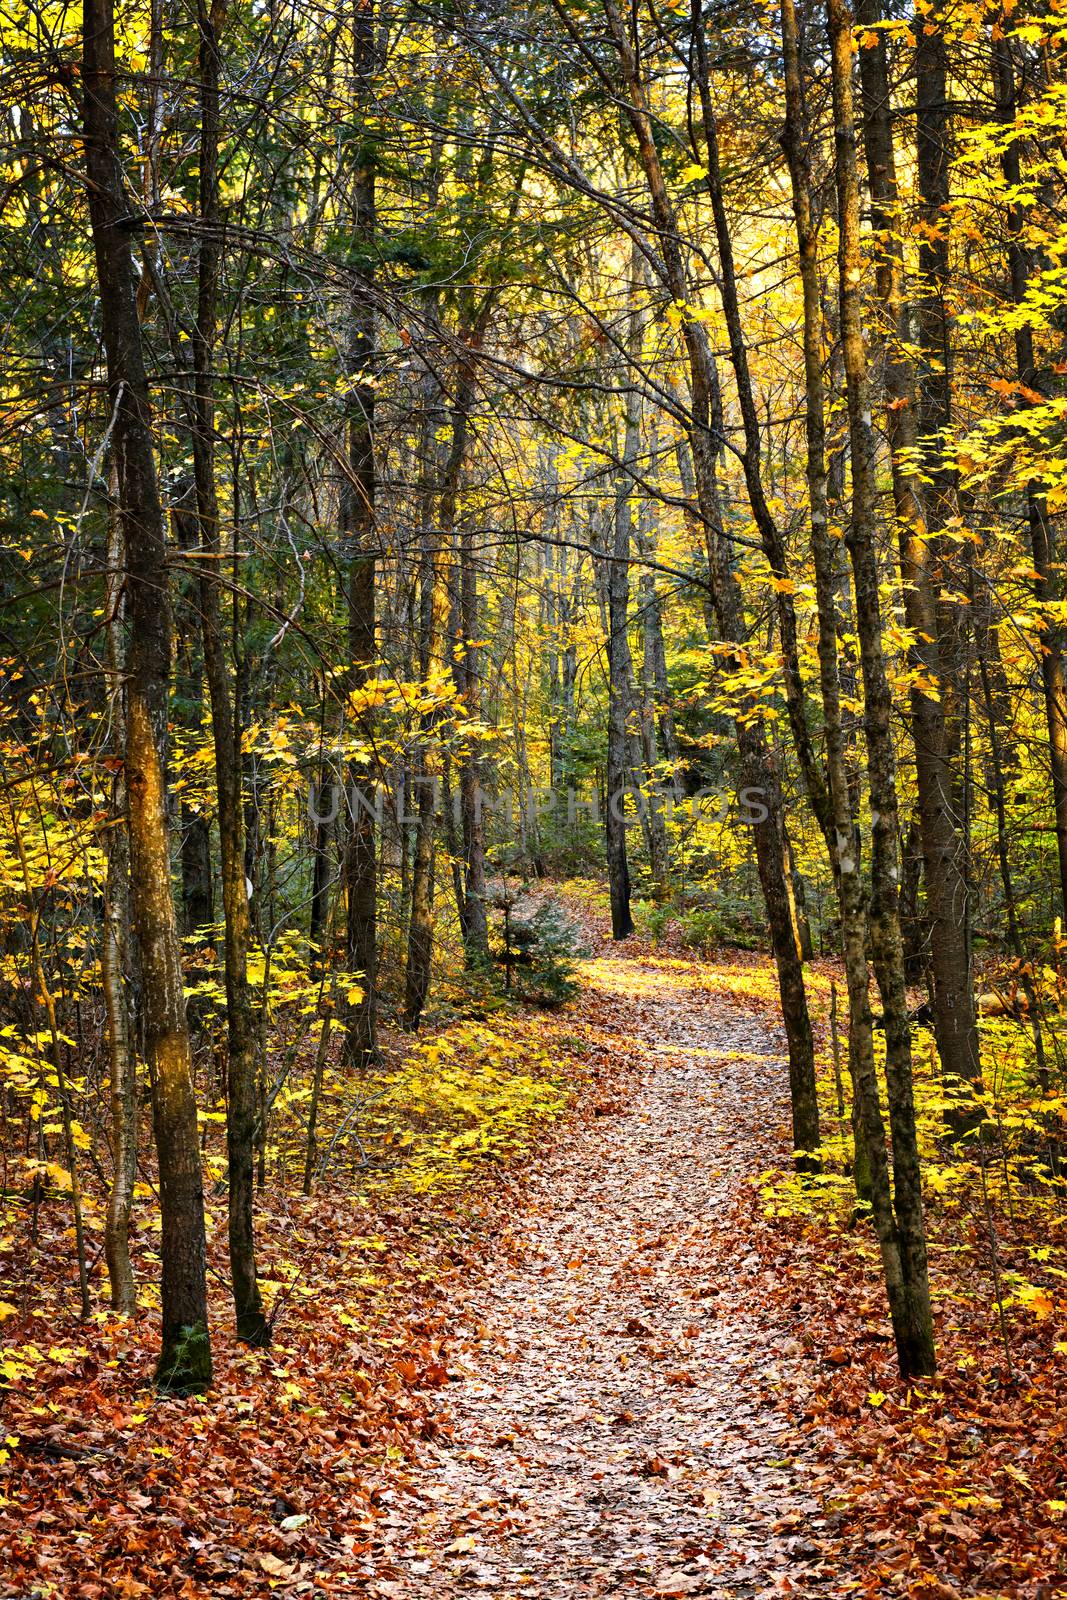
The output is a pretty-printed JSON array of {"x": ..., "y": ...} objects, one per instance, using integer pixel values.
[
  {"x": 473, "y": 913},
  {"x": 321, "y": 876},
  {"x": 1048, "y": 583},
  {"x": 185, "y": 1358},
  {"x": 359, "y": 536},
  {"x": 198, "y": 889},
  {"x": 241, "y": 1063},
  {"x": 115, "y": 955},
  {"x": 900, "y": 1227},
  {"x": 620, "y": 666},
  {"x": 871, "y": 1167},
  {"x": 913, "y": 424},
  {"x": 427, "y": 778},
  {"x": 769, "y": 532}
]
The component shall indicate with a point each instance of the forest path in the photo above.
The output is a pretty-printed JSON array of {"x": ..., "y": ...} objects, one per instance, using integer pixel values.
[{"x": 611, "y": 1425}]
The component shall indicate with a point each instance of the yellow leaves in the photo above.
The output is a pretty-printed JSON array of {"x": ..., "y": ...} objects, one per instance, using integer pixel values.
[
  {"x": 58, "y": 1174},
  {"x": 1029, "y": 33},
  {"x": 1036, "y": 1299},
  {"x": 22, "y": 1361},
  {"x": 7, "y": 1310},
  {"x": 474, "y": 1093},
  {"x": 678, "y": 312},
  {"x": 369, "y": 696},
  {"x": 975, "y": 1500}
]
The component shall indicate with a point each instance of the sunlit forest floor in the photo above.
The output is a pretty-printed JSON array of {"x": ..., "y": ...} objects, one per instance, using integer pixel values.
[{"x": 559, "y": 1321}]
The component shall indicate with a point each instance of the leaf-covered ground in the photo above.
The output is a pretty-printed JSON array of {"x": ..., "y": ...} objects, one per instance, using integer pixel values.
[
  {"x": 613, "y": 1422},
  {"x": 612, "y": 1353}
]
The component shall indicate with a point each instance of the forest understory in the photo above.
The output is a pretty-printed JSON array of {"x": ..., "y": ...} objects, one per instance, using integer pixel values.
[{"x": 642, "y": 1360}]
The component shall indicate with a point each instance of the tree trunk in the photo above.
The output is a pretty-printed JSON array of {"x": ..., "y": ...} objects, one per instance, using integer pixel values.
[
  {"x": 241, "y": 1065},
  {"x": 871, "y": 1165},
  {"x": 942, "y": 804},
  {"x": 1048, "y": 584},
  {"x": 185, "y": 1358},
  {"x": 620, "y": 667},
  {"x": 115, "y": 955},
  {"x": 359, "y": 535},
  {"x": 197, "y": 905},
  {"x": 474, "y": 922},
  {"x": 420, "y": 927},
  {"x": 901, "y": 1232},
  {"x": 915, "y": 414},
  {"x": 657, "y": 723},
  {"x": 322, "y": 823},
  {"x": 769, "y": 532}
]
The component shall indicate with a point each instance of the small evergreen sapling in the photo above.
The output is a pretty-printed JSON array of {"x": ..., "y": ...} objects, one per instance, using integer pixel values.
[{"x": 543, "y": 948}]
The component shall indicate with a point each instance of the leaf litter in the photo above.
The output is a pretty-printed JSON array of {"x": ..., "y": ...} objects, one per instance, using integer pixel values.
[
  {"x": 611, "y": 1423},
  {"x": 597, "y": 1365}
]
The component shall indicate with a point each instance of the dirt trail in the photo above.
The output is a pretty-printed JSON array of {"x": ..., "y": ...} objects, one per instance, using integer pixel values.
[{"x": 612, "y": 1423}]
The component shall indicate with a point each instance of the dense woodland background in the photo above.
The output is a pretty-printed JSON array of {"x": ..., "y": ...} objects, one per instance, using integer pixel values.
[{"x": 449, "y": 451}]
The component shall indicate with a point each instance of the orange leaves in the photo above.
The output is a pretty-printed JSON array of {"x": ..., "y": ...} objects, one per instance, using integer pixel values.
[
  {"x": 1011, "y": 391},
  {"x": 614, "y": 1335},
  {"x": 430, "y": 1375}
]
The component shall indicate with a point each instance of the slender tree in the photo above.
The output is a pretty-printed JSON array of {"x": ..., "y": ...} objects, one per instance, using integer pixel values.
[
  {"x": 901, "y": 1231},
  {"x": 115, "y": 950},
  {"x": 185, "y": 1358},
  {"x": 241, "y": 1065},
  {"x": 917, "y": 417},
  {"x": 620, "y": 665},
  {"x": 359, "y": 536}
]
